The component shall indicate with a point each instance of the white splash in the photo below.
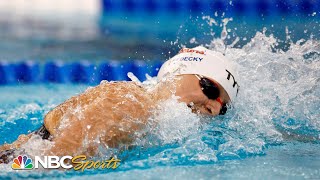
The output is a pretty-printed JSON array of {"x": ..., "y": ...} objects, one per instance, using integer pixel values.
[
  {"x": 133, "y": 78},
  {"x": 173, "y": 121}
]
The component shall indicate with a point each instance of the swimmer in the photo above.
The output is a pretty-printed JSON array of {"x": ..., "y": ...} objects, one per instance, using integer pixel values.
[{"x": 109, "y": 114}]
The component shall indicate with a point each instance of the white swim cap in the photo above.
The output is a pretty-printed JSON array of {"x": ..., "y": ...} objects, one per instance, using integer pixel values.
[{"x": 204, "y": 62}]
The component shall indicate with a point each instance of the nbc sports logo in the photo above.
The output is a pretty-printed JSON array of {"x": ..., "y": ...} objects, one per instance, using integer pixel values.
[{"x": 22, "y": 162}]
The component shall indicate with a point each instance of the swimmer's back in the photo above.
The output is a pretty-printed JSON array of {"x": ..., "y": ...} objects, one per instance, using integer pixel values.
[
  {"x": 117, "y": 98},
  {"x": 107, "y": 115}
]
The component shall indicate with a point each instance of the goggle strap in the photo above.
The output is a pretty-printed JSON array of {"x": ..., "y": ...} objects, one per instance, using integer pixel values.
[{"x": 219, "y": 101}]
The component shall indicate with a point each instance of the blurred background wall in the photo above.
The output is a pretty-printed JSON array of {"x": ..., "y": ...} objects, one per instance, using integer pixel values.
[{"x": 141, "y": 29}]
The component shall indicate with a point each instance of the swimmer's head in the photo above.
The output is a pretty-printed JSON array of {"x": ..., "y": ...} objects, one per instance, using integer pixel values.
[{"x": 204, "y": 63}]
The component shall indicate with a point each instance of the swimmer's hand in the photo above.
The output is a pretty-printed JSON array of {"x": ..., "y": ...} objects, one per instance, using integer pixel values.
[
  {"x": 7, "y": 150},
  {"x": 22, "y": 139}
]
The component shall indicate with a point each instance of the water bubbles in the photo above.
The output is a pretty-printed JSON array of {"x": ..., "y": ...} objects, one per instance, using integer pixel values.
[
  {"x": 131, "y": 97},
  {"x": 174, "y": 125},
  {"x": 210, "y": 20},
  {"x": 276, "y": 82},
  {"x": 133, "y": 77},
  {"x": 25, "y": 111},
  {"x": 103, "y": 82},
  {"x": 193, "y": 40}
]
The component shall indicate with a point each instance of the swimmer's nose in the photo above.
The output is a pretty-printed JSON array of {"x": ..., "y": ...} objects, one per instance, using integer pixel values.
[{"x": 213, "y": 107}]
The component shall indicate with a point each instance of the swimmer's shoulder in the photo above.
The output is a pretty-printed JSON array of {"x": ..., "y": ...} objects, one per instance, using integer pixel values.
[{"x": 121, "y": 84}]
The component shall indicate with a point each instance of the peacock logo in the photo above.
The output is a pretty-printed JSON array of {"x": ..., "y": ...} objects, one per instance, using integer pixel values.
[{"x": 22, "y": 162}]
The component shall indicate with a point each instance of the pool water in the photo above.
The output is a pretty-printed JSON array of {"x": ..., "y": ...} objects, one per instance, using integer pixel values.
[
  {"x": 215, "y": 151},
  {"x": 273, "y": 131}
]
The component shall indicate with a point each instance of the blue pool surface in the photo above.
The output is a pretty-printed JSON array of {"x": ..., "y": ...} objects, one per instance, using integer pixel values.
[
  {"x": 288, "y": 161},
  {"x": 23, "y": 107}
]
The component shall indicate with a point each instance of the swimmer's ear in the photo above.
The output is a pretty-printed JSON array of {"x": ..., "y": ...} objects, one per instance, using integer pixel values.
[{"x": 190, "y": 105}]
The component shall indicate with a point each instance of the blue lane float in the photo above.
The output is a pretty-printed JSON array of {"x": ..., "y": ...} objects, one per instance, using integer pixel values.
[
  {"x": 54, "y": 72},
  {"x": 7, "y": 74},
  {"x": 243, "y": 7},
  {"x": 141, "y": 68},
  {"x": 81, "y": 72},
  {"x": 26, "y": 72},
  {"x": 3, "y": 79},
  {"x": 114, "y": 71},
  {"x": 84, "y": 72}
]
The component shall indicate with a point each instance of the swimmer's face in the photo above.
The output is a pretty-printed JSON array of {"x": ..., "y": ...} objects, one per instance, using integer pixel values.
[{"x": 190, "y": 92}]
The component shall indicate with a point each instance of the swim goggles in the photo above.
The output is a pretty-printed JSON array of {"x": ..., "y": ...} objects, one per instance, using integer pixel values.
[{"x": 211, "y": 90}]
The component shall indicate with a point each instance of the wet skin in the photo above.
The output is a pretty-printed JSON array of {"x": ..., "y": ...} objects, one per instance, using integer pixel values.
[{"x": 108, "y": 115}]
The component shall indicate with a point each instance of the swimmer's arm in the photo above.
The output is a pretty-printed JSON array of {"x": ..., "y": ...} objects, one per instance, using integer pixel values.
[
  {"x": 22, "y": 139},
  {"x": 68, "y": 141},
  {"x": 53, "y": 118}
]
